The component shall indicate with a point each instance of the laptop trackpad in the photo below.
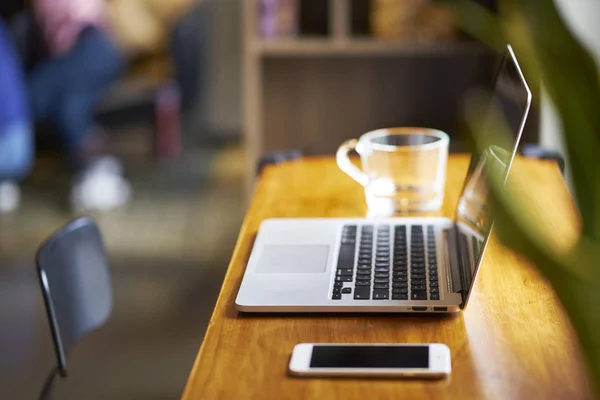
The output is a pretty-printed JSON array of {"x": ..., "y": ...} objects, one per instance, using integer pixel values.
[{"x": 293, "y": 259}]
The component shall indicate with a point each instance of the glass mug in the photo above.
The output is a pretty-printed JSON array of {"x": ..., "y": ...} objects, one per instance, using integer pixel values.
[{"x": 403, "y": 169}]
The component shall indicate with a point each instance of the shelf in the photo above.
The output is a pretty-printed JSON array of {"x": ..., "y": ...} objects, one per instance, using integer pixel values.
[{"x": 358, "y": 47}]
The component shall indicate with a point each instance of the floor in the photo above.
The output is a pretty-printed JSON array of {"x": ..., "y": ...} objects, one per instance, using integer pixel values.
[{"x": 168, "y": 250}]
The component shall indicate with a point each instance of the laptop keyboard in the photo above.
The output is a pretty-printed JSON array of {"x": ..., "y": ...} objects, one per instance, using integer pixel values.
[{"x": 379, "y": 268}]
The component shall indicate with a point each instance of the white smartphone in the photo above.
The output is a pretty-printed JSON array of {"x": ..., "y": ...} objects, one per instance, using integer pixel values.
[{"x": 401, "y": 360}]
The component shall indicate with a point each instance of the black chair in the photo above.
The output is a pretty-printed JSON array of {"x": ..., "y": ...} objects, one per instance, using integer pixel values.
[
  {"x": 277, "y": 158},
  {"x": 535, "y": 151},
  {"x": 76, "y": 286}
]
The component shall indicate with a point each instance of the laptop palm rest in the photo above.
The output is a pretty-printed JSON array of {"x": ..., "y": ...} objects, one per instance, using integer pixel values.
[{"x": 293, "y": 259}]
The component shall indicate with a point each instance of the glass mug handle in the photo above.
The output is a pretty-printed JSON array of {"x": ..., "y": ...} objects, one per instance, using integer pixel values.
[{"x": 343, "y": 161}]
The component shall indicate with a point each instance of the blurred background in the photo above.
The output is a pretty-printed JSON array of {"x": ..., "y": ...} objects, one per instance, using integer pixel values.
[{"x": 152, "y": 116}]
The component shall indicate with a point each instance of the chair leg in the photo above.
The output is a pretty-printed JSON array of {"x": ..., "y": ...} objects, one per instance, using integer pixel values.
[{"x": 46, "y": 393}]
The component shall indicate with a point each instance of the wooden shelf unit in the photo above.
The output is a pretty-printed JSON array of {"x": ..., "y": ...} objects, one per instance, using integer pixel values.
[{"x": 263, "y": 57}]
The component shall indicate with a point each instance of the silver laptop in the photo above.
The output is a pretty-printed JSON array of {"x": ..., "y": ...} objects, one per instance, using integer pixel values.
[{"x": 385, "y": 265}]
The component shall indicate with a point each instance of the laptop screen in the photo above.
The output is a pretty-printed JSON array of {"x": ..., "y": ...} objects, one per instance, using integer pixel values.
[{"x": 473, "y": 220}]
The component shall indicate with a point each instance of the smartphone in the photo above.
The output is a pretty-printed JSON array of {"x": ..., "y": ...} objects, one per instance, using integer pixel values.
[{"x": 387, "y": 360}]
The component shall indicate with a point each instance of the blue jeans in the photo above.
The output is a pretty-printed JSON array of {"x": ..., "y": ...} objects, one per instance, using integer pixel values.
[
  {"x": 16, "y": 150},
  {"x": 65, "y": 90}
]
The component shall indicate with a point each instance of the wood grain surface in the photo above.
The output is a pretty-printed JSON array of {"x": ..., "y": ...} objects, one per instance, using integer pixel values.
[{"x": 512, "y": 342}]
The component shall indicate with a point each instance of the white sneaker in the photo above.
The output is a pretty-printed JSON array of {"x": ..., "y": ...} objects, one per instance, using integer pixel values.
[
  {"x": 101, "y": 187},
  {"x": 10, "y": 197}
]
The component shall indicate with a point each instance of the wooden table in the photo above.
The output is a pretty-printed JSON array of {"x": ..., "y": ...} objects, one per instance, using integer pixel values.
[{"x": 513, "y": 341}]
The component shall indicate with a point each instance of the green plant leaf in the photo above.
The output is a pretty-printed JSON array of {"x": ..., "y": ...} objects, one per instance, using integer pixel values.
[
  {"x": 514, "y": 223},
  {"x": 570, "y": 77},
  {"x": 479, "y": 22},
  {"x": 573, "y": 275}
]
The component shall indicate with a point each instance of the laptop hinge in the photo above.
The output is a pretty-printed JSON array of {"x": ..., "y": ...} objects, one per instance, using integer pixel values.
[{"x": 458, "y": 263}]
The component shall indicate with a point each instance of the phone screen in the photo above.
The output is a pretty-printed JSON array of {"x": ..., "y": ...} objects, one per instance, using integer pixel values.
[{"x": 370, "y": 357}]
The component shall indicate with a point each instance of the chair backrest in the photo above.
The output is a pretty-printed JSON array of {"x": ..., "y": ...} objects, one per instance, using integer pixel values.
[{"x": 75, "y": 282}]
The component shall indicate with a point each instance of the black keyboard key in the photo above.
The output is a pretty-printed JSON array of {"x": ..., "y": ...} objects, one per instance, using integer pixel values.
[
  {"x": 400, "y": 285},
  {"x": 418, "y": 282},
  {"x": 382, "y": 269},
  {"x": 381, "y": 294},
  {"x": 399, "y": 279},
  {"x": 382, "y": 280},
  {"x": 338, "y": 284},
  {"x": 363, "y": 272},
  {"x": 346, "y": 290},
  {"x": 417, "y": 287},
  {"x": 343, "y": 279},
  {"x": 399, "y": 296},
  {"x": 363, "y": 283},
  {"x": 417, "y": 276},
  {"x": 345, "y": 272},
  {"x": 435, "y": 296},
  {"x": 336, "y": 296},
  {"x": 381, "y": 285},
  {"x": 362, "y": 293},
  {"x": 434, "y": 290},
  {"x": 399, "y": 290},
  {"x": 382, "y": 275},
  {"x": 362, "y": 278},
  {"x": 433, "y": 284},
  {"x": 418, "y": 295}
]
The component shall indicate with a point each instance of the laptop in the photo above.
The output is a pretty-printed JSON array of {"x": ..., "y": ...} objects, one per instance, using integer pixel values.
[{"x": 425, "y": 265}]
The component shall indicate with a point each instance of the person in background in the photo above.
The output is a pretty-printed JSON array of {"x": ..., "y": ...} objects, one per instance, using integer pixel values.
[
  {"x": 16, "y": 135},
  {"x": 141, "y": 27},
  {"x": 82, "y": 61}
]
